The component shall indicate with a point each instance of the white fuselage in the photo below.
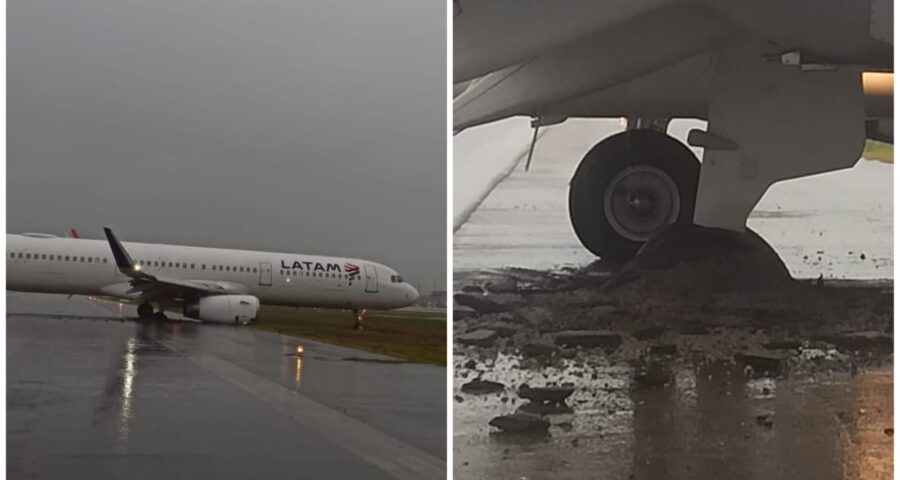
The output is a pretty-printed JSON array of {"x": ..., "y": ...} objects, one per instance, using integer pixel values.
[{"x": 46, "y": 264}]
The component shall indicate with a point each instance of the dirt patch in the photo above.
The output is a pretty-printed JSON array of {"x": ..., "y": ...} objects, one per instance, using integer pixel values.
[{"x": 692, "y": 296}]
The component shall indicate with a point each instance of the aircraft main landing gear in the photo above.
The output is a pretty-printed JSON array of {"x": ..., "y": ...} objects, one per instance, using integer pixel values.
[
  {"x": 145, "y": 311},
  {"x": 629, "y": 187}
]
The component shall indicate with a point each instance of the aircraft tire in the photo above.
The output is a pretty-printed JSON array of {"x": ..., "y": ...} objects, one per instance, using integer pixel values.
[
  {"x": 628, "y": 187},
  {"x": 145, "y": 310}
]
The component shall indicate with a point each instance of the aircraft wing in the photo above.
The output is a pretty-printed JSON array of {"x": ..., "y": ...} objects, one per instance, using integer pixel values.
[
  {"x": 646, "y": 58},
  {"x": 150, "y": 286}
]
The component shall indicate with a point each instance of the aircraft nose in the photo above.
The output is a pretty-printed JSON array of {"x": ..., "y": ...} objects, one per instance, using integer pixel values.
[{"x": 411, "y": 293}]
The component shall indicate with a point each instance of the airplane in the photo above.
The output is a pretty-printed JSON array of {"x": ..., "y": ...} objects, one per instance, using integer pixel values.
[
  {"x": 210, "y": 284},
  {"x": 788, "y": 88}
]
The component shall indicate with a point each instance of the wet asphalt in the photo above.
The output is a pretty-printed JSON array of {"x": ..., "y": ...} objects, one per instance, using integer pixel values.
[
  {"x": 710, "y": 423},
  {"x": 91, "y": 396}
]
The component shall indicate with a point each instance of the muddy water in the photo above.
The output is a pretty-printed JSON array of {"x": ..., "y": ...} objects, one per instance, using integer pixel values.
[
  {"x": 825, "y": 412},
  {"x": 711, "y": 423}
]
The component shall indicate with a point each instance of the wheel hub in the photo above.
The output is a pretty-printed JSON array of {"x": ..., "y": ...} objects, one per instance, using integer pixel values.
[
  {"x": 640, "y": 200},
  {"x": 642, "y": 203}
]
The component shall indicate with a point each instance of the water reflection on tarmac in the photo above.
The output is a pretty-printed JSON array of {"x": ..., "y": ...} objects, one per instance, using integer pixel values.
[
  {"x": 711, "y": 423},
  {"x": 91, "y": 396}
]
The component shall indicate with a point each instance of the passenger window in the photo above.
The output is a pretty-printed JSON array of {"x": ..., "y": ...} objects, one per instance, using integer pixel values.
[
  {"x": 254, "y": 269},
  {"x": 12, "y": 255},
  {"x": 104, "y": 260},
  {"x": 203, "y": 267},
  {"x": 90, "y": 259},
  {"x": 192, "y": 266},
  {"x": 28, "y": 255},
  {"x": 20, "y": 255}
]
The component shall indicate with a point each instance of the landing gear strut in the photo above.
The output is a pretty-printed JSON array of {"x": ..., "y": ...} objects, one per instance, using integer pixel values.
[
  {"x": 360, "y": 319},
  {"x": 145, "y": 310},
  {"x": 627, "y": 188}
]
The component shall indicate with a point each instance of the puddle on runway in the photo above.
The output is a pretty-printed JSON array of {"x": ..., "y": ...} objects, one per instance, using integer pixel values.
[
  {"x": 675, "y": 386},
  {"x": 710, "y": 422}
]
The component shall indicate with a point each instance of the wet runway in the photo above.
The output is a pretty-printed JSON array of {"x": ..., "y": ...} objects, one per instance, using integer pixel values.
[
  {"x": 90, "y": 396},
  {"x": 713, "y": 423},
  {"x": 801, "y": 388}
]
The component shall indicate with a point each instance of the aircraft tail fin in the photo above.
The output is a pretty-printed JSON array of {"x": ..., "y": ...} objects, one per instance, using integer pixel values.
[{"x": 123, "y": 260}]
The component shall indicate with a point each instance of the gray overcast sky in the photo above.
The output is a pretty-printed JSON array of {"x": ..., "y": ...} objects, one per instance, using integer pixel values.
[{"x": 302, "y": 126}]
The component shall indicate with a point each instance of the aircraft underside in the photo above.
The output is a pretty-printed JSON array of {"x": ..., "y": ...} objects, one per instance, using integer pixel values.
[{"x": 774, "y": 112}]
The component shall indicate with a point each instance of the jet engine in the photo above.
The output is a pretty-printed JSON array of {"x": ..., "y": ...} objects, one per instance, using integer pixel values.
[{"x": 237, "y": 309}]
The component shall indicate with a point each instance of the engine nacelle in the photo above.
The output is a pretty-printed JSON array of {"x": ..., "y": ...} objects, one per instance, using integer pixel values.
[{"x": 237, "y": 309}]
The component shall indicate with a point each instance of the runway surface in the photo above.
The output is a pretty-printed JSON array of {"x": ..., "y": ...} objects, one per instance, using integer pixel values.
[
  {"x": 90, "y": 396},
  {"x": 838, "y": 224}
]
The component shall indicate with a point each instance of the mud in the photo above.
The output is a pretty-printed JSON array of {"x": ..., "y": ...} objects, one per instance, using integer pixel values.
[{"x": 675, "y": 376}]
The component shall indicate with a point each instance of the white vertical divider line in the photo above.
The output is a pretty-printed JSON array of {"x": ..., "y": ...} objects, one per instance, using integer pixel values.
[
  {"x": 894, "y": 254},
  {"x": 449, "y": 232}
]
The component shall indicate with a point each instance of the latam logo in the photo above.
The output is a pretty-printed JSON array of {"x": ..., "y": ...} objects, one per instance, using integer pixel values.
[
  {"x": 352, "y": 269},
  {"x": 314, "y": 266}
]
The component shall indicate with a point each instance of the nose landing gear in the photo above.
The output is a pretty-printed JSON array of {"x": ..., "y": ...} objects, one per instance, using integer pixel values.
[{"x": 360, "y": 319}]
